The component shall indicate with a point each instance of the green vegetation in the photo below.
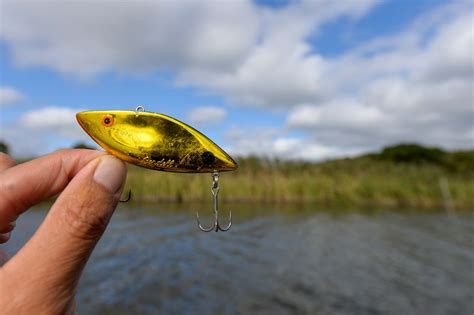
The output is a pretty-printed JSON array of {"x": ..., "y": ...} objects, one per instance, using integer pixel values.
[
  {"x": 3, "y": 147},
  {"x": 413, "y": 153},
  {"x": 399, "y": 176}
]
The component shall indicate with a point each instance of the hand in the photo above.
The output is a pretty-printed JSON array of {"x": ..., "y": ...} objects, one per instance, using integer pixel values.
[{"x": 42, "y": 277}]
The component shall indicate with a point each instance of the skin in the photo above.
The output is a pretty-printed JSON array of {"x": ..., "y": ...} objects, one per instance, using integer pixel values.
[{"x": 42, "y": 277}]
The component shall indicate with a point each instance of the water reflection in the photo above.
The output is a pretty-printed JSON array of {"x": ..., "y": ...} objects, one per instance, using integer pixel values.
[{"x": 276, "y": 261}]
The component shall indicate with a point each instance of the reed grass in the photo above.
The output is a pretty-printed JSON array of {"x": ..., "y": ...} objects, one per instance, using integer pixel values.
[{"x": 362, "y": 181}]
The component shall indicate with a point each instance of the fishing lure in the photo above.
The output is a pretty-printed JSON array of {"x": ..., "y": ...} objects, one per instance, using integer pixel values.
[{"x": 159, "y": 142}]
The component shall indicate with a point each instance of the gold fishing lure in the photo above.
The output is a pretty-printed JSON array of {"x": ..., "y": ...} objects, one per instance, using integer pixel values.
[
  {"x": 155, "y": 141},
  {"x": 158, "y": 142}
]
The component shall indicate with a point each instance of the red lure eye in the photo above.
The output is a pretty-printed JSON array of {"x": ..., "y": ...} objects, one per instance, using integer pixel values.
[{"x": 107, "y": 120}]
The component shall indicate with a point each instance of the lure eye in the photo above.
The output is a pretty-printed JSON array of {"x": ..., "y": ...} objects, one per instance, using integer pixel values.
[{"x": 107, "y": 120}]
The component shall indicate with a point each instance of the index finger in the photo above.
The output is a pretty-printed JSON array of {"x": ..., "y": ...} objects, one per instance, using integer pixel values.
[{"x": 28, "y": 183}]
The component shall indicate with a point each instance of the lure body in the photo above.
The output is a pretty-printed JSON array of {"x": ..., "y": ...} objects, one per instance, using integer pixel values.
[{"x": 155, "y": 141}]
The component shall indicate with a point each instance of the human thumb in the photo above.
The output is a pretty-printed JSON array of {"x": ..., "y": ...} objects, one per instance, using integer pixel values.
[{"x": 55, "y": 256}]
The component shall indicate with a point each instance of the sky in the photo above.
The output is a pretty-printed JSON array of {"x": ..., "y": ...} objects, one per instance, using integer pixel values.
[{"x": 308, "y": 80}]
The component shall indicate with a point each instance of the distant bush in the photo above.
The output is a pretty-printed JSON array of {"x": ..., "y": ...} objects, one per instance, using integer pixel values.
[
  {"x": 413, "y": 153},
  {"x": 3, "y": 147},
  {"x": 461, "y": 161}
]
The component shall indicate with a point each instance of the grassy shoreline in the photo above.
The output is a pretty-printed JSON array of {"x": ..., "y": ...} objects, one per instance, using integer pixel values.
[
  {"x": 366, "y": 181},
  {"x": 399, "y": 177}
]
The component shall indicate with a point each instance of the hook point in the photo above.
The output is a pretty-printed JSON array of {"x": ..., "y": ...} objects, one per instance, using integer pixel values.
[
  {"x": 128, "y": 197},
  {"x": 215, "y": 191}
]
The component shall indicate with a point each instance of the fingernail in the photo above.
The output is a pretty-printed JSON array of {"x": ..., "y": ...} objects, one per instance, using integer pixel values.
[
  {"x": 5, "y": 237},
  {"x": 110, "y": 173}
]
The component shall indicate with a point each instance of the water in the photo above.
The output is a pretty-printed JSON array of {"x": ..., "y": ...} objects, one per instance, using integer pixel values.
[{"x": 277, "y": 261}]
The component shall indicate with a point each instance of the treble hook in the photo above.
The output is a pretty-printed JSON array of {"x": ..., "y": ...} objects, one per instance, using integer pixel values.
[
  {"x": 128, "y": 197},
  {"x": 215, "y": 191}
]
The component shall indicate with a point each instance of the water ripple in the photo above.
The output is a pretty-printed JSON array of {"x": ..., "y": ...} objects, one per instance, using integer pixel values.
[{"x": 156, "y": 261}]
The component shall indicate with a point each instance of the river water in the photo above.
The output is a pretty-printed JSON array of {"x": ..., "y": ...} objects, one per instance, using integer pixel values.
[{"x": 153, "y": 260}]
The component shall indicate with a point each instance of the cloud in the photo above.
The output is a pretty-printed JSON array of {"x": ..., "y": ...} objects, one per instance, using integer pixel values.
[
  {"x": 436, "y": 46},
  {"x": 52, "y": 125},
  {"x": 207, "y": 115},
  {"x": 343, "y": 113},
  {"x": 411, "y": 88},
  {"x": 281, "y": 69},
  {"x": 276, "y": 143},
  {"x": 56, "y": 120},
  {"x": 396, "y": 112},
  {"x": 21, "y": 141},
  {"x": 9, "y": 96},
  {"x": 40, "y": 131},
  {"x": 416, "y": 85},
  {"x": 231, "y": 47},
  {"x": 86, "y": 39},
  {"x": 295, "y": 148},
  {"x": 49, "y": 117},
  {"x": 263, "y": 61}
]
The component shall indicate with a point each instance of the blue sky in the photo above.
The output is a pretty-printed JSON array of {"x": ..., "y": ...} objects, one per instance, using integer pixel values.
[{"x": 305, "y": 79}]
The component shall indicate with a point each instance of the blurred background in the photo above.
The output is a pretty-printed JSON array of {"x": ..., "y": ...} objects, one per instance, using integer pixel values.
[{"x": 352, "y": 122}]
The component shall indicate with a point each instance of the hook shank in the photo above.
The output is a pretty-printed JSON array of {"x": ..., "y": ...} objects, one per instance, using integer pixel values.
[{"x": 215, "y": 192}]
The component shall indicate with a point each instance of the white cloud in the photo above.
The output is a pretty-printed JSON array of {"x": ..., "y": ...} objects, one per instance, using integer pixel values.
[
  {"x": 9, "y": 96},
  {"x": 295, "y": 148},
  {"x": 89, "y": 38},
  {"x": 281, "y": 70},
  {"x": 437, "y": 46},
  {"x": 231, "y": 47},
  {"x": 23, "y": 142},
  {"x": 49, "y": 117},
  {"x": 450, "y": 53},
  {"x": 269, "y": 142},
  {"x": 393, "y": 111},
  {"x": 53, "y": 121},
  {"x": 246, "y": 141},
  {"x": 207, "y": 115},
  {"x": 413, "y": 86},
  {"x": 344, "y": 113}
]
